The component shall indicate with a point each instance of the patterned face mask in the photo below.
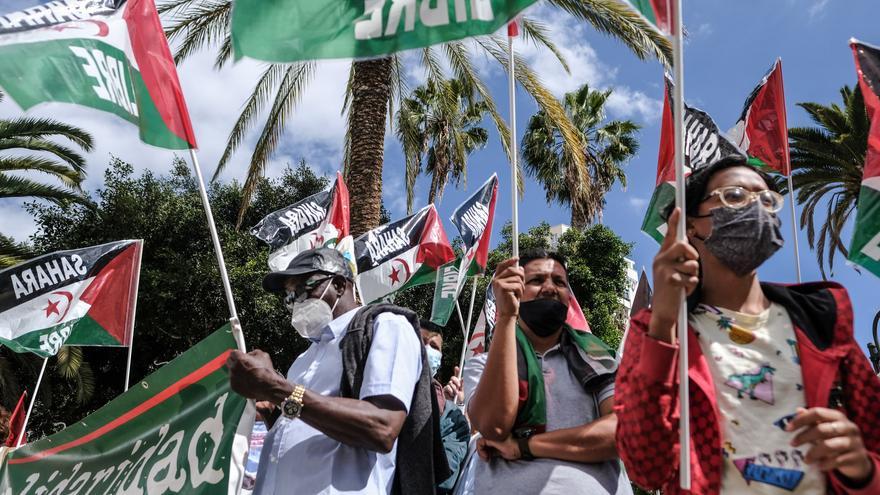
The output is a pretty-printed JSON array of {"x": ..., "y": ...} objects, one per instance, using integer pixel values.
[{"x": 744, "y": 238}]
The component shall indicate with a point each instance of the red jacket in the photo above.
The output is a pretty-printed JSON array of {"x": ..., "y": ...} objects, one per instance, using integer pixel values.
[{"x": 646, "y": 392}]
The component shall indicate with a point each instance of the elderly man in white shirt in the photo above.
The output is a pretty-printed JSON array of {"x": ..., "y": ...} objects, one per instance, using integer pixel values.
[{"x": 337, "y": 418}]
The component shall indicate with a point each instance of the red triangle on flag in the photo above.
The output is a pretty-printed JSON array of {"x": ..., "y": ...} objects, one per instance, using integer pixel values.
[{"x": 112, "y": 294}]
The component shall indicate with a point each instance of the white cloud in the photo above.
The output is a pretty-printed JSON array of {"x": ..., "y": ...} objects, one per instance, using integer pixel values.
[
  {"x": 637, "y": 203},
  {"x": 817, "y": 8},
  {"x": 703, "y": 30},
  {"x": 570, "y": 37},
  {"x": 17, "y": 223}
]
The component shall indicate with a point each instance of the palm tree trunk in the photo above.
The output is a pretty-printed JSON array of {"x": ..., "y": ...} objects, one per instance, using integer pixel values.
[{"x": 369, "y": 116}]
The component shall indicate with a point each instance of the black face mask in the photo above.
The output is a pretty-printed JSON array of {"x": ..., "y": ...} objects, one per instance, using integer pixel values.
[
  {"x": 544, "y": 317},
  {"x": 743, "y": 239}
]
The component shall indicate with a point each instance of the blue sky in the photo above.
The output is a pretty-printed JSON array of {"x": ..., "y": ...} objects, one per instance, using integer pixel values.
[{"x": 731, "y": 45}]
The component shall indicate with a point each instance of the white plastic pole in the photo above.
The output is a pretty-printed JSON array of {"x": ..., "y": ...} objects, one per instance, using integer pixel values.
[
  {"x": 682, "y": 327},
  {"x": 794, "y": 229},
  {"x": 467, "y": 329},
  {"x": 137, "y": 283},
  {"x": 218, "y": 250},
  {"x": 514, "y": 151},
  {"x": 27, "y": 416}
]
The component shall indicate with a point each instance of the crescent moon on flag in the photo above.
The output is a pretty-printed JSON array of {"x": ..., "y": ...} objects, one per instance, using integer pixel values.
[
  {"x": 69, "y": 297},
  {"x": 405, "y": 267}
]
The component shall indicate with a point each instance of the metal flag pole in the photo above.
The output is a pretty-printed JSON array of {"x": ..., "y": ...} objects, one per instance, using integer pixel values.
[
  {"x": 27, "y": 416},
  {"x": 794, "y": 229},
  {"x": 137, "y": 283},
  {"x": 512, "y": 28},
  {"x": 218, "y": 250},
  {"x": 682, "y": 327},
  {"x": 467, "y": 329}
]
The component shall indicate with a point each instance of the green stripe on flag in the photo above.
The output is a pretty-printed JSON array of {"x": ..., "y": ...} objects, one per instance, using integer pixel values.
[
  {"x": 654, "y": 225},
  {"x": 865, "y": 249},
  {"x": 646, "y": 9}
]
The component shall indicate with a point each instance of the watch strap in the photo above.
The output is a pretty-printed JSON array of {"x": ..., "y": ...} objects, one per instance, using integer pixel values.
[{"x": 525, "y": 453}]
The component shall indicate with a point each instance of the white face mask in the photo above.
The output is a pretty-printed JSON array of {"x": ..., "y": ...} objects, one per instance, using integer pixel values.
[{"x": 309, "y": 317}]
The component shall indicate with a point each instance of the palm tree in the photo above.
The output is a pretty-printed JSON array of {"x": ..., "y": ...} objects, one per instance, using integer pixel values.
[
  {"x": 57, "y": 161},
  {"x": 439, "y": 124},
  {"x": 375, "y": 86},
  {"x": 829, "y": 159},
  {"x": 606, "y": 147}
]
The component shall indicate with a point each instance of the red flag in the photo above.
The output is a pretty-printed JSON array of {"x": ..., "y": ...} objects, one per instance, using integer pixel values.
[
  {"x": 340, "y": 212},
  {"x": 513, "y": 28},
  {"x": 16, "y": 422},
  {"x": 762, "y": 129},
  {"x": 576, "y": 318}
]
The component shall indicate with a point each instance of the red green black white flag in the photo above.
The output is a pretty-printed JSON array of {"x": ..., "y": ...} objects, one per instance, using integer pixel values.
[
  {"x": 109, "y": 55},
  {"x": 473, "y": 219},
  {"x": 401, "y": 254},
  {"x": 865, "y": 248},
  {"x": 762, "y": 128},
  {"x": 319, "y": 220},
  {"x": 81, "y": 297},
  {"x": 704, "y": 144}
]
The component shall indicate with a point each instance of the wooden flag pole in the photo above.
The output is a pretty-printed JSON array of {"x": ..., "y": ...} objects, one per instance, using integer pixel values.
[
  {"x": 27, "y": 416},
  {"x": 218, "y": 250},
  {"x": 682, "y": 327},
  {"x": 137, "y": 283},
  {"x": 514, "y": 152}
]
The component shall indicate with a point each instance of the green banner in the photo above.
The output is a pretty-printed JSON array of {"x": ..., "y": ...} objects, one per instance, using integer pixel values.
[
  {"x": 446, "y": 292},
  {"x": 179, "y": 431},
  {"x": 865, "y": 249},
  {"x": 293, "y": 30}
]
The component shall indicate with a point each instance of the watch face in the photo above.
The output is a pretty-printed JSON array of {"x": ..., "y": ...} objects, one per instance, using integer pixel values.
[{"x": 291, "y": 409}]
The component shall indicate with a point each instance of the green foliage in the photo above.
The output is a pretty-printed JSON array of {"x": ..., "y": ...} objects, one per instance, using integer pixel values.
[
  {"x": 828, "y": 163},
  {"x": 180, "y": 299},
  {"x": 605, "y": 148}
]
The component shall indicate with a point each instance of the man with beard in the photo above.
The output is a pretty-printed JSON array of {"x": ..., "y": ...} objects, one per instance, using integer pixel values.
[{"x": 543, "y": 405}]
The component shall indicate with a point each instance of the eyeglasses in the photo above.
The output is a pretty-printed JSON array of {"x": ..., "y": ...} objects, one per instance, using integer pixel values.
[
  {"x": 301, "y": 291},
  {"x": 738, "y": 197}
]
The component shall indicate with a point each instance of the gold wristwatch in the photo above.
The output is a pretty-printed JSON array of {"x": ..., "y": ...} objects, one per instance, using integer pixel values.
[{"x": 292, "y": 406}]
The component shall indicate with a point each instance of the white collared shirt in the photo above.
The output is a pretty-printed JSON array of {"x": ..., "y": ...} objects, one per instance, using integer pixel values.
[{"x": 298, "y": 459}]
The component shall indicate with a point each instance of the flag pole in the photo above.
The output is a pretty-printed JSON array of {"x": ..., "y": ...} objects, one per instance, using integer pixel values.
[
  {"x": 794, "y": 229},
  {"x": 512, "y": 29},
  {"x": 682, "y": 327},
  {"x": 137, "y": 283},
  {"x": 218, "y": 250},
  {"x": 27, "y": 416},
  {"x": 467, "y": 329},
  {"x": 464, "y": 331}
]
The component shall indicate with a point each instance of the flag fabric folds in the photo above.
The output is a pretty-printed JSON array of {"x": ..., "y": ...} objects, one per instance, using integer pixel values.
[
  {"x": 482, "y": 336},
  {"x": 704, "y": 144},
  {"x": 317, "y": 221},
  {"x": 865, "y": 248},
  {"x": 473, "y": 219},
  {"x": 16, "y": 421},
  {"x": 181, "y": 430},
  {"x": 296, "y": 30},
  {"x": 109, "y": 55},
  {"x": 762, "y": 128},
  {"x": 81, "y": 297},
  {"x": 401, "y": 254},
  {"x": 658, "y": 13}
]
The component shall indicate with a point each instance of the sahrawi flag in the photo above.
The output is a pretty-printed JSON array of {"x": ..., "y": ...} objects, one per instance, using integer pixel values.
[
  {"x": 865, "y": 248},
  {"x": 482, "y": 336},
  {"x": 401, "y": 254},
  {"x": 317, "y": 221},
  {"x": 81, "y": 297},
  {"x": 181, "y": 431},
  {"x": 762, "y": 129},
  {"x": 473, "y": 219},
  {"x": 704, "y": 144},
  {"x": 110, "y": 55},
  {"x": 293, "y": 30}
]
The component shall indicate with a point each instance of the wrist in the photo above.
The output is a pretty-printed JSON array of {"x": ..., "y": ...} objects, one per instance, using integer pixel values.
[
  {"x": 662, "y": 328},
  {"x": 525, "y": 453},
  {"x": 859, "y": 477},
  {"x": 281, "y": 390}
]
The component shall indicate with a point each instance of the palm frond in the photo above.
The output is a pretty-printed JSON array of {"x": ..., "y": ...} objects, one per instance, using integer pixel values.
[
  {"x": 36, "y": 128},
  {"x": 538, "y": 33},
  {"x": 70, "y": 177},
  {"x": 19, "y": 187}
]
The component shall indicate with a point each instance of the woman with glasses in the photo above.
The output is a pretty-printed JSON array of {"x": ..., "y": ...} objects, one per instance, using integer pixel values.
[{"x": 782, "y": 400}]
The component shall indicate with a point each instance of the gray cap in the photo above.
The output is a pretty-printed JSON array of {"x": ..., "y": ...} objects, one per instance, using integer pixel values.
[{"x": 320, "y": 260}]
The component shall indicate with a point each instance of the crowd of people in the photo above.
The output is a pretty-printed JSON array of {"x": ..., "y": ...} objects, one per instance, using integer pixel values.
[{"x": 782, "y": 400}]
